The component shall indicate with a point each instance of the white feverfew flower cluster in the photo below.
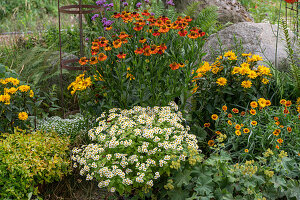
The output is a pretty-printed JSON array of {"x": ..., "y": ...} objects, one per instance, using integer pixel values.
[{"x": 136, "y": 147}]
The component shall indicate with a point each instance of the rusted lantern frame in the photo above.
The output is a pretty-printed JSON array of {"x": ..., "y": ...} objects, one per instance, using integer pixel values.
[{"x": 79, "y": 10}]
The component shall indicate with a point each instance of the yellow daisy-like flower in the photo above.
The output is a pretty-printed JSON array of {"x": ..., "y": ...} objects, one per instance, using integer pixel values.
[
  {"x": 221, "y": 81},
  {"x": 254, "y": 58},
  {"x": 229, "y": 53},
  {"x": 246, "y": 84},
  {"x": 246, "y": 54},
  {"x": 245, "y": 65},
  {"x": 238, "y": 132},
  {"x": 252, "y": 74},
  {"x": 282, "y": 101},
  {"x": 31, "y": 93},
  {"x": 11, "y": 90},
  {"x": 235, "y": 70},
  {"x": 23, "y": 116},
  {"x": 24, "y": 88},
  {"x": 253, "y": 104},
  {"x": 254, "y": 123},
  {"x": 237, "y": 126},
  {"x": 262, "y": 102},
  {"x": 5, "y": 98},
  {"x": 265, "y": 81},
  {"x": 214, "y": 117},
  {"x": 246, "y": 130},
  {"x": 253, "y": 112}
]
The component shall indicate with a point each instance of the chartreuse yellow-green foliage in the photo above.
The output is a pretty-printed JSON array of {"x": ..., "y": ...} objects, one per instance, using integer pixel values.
[{"x": 29, "y": 159}]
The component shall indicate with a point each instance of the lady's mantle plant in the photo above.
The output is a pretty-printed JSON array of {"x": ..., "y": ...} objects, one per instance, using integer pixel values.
[{"x": 134, "y": 148}]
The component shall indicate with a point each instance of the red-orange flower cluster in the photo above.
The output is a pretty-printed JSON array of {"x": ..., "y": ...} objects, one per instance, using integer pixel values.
[{"x": 149, "y": 50}]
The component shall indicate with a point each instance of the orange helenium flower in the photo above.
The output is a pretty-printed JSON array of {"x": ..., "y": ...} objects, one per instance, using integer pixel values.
[
  {"x": 193, "y": 35},
  {"x": 182, "y": 32},
  {"x": 142, "y": 40},
  {"x": 121, "y": 55},
  {"x": 235, "y": 110},
  {"x": 174, "y": 66},
  {"x": 139, "y": 51},
  {"x": 211, "y": 143},
  {"x": 156, "y": 33},
  {"x": 102, "y": 57},
  {"x": 147, "y": 51},
  {"x": 83, "y": 61},
  {"x": 117, "y": 43},
  {"x": 93, "y": 60}
]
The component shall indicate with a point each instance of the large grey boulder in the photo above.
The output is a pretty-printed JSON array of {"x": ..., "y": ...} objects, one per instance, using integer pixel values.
[
  {"x": 257, "y": 38},
  {"x": 228, "y": 10}
]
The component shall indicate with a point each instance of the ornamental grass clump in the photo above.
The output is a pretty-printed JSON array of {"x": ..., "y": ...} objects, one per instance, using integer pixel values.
[
  {"x": 148, "y": 61},
  {"x": 133, "y": 148},
  {"x": 29, "y": 160},
  {"x": 247, "y": 133}
]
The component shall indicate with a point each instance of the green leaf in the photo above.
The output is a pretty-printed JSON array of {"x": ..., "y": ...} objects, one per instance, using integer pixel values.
[
  {"x": 205, "y": 185},
  {"x": 183, "y": 178},
  {"x": 179, "y": 194}
]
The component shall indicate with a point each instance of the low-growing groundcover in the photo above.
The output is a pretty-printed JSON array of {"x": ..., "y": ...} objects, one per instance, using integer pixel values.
[{"x": 28, "y": 160}]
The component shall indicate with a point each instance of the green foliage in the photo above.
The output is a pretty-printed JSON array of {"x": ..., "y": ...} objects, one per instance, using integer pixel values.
[
  {"x": 207, "y": 19},
  {"x": 69, "y": 39},
  {"x": 30, "y": 159},
  {"x": 133, "y": 148},
  {"x": 28, "y": 15},
  {"x": 294, "y": 61},
  {"x": 270, "y": 177},
  {"x": 263, "y": 11}
]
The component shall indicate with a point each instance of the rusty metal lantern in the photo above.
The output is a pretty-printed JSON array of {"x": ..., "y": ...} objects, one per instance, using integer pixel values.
[{"x": 79, "y": 10}]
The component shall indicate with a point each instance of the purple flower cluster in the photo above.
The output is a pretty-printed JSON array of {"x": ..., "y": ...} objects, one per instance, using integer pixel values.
[
  {"x": 138, "y": 5},
  {"x": 170, "y": 3},
  {"x": 106, "y": 23},
  {"x": 95, "y": 16},
  {"x": 104, "y": 4},
  {"x": 101, "y": 2},
  {"x": 108, "y": 6},
  {"x": 125, "y": 4},
  {"x": 147, "y": 1}
]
